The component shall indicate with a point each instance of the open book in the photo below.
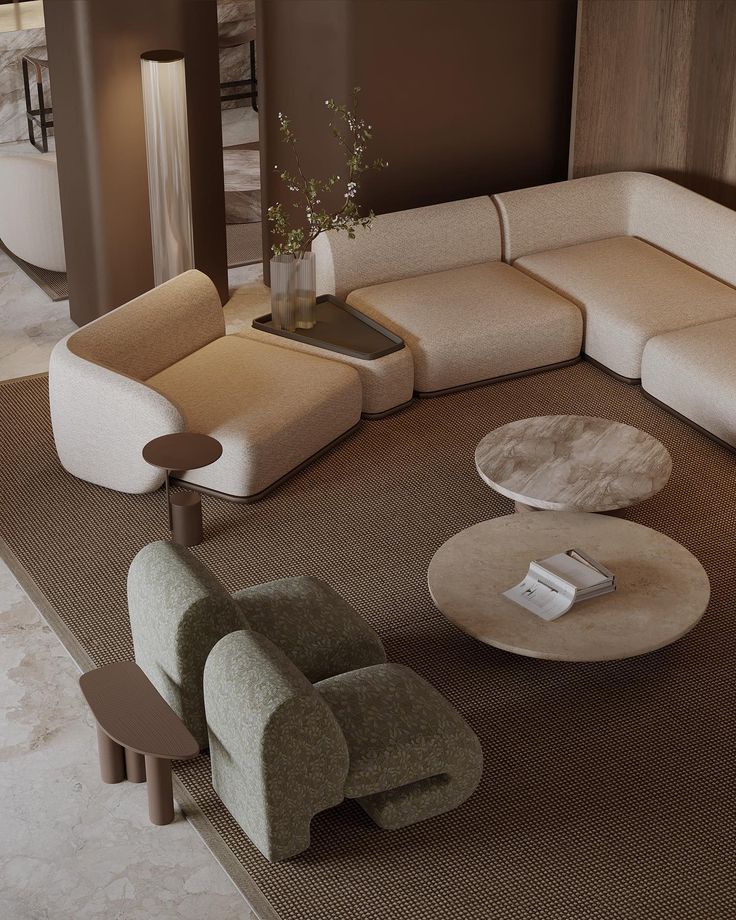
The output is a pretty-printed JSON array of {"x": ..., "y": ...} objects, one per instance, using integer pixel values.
[{"x": 553, "y": 585}]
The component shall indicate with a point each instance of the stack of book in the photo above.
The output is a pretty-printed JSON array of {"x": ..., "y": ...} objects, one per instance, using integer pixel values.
[{"x": 553, "y": 585}]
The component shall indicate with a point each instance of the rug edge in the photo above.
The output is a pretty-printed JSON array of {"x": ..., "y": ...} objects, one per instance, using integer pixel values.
[{"x": 203, "y": 827}]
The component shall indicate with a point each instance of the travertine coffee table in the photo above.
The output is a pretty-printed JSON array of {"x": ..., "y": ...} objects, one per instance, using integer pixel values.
[
  {"x": 662, "y": 588},
  {"x": 573, "y": 463}
]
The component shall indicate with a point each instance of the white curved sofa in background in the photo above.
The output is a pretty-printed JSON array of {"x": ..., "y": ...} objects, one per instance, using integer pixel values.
[
  {"x": 30, "y": 211},
  {"x": 161, "y": 364}
]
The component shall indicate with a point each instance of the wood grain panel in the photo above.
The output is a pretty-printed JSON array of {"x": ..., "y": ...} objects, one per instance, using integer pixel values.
[{"x": 655, "y": 91}]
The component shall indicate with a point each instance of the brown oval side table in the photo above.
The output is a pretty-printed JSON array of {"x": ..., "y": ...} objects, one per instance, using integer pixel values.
[
  {"x": 138, "y": 733},
  {"x": 183, "y": 450}
]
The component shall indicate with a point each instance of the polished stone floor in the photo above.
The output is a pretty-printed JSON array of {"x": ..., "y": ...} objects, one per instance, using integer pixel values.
[{"x": 72, "y": 848}]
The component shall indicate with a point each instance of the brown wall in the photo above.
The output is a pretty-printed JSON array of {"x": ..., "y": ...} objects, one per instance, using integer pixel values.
[
  {"x": 656, "y": 91},
  {"x": 466, "y": 97},
  {"x": 94, "y": 56}
]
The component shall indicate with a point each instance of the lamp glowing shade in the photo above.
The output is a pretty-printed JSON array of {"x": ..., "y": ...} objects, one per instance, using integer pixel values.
[{"x": 167, "y": 152}]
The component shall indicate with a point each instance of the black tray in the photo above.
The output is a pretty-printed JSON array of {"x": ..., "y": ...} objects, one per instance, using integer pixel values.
[{"x": 340, "y": 328}]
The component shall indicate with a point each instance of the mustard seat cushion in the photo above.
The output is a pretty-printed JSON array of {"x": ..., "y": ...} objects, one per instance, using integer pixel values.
[{"x": 470, "y": 324}]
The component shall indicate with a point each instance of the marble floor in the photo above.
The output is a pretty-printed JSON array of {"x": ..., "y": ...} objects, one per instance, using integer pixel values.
[{"x": 72, "y": 848}]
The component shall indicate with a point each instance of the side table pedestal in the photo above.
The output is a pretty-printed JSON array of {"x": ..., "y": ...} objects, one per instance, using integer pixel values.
[{"x": 186, "y": 517}]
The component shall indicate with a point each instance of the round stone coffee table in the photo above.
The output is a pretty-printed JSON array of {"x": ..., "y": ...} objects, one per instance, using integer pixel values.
[
  {"x": 662, "y": 589},
  {"x": 573, "y": 463}
]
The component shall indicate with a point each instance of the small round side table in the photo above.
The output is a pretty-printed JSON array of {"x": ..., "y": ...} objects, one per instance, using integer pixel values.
[{"x": 184, "y": 450}]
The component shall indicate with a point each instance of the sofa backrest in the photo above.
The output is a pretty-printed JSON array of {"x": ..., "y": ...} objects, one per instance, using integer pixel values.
[
  {"x": 565, "y": 213},
  {"x": 408, "y": 243},
  {"x": 687, "y": 225},
  {"x": 146, "y": 335},
  {"x": 697, "y": 230}
]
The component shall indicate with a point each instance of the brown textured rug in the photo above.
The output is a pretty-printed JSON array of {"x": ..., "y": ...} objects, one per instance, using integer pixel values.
[{"x": 608, "y": 789}]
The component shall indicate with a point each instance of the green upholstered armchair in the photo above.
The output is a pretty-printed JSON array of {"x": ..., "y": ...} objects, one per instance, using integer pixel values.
[
  {"x": 283, "y": 749},
  {"x": 179, "y": 610}
]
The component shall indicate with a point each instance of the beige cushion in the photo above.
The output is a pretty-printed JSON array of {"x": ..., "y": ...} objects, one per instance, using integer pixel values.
[
  {"x": 683, "y": 223},
  {"x": 388, "y": 382},
  {"x": 270, "y": 408},
  {"x": 471, "y": 324},
  {"x": 693, "y": 371},
  {"x": 408, "y": 243},
  {"x": 629, "y": 292},
  {"x": 160, "y": 327}
]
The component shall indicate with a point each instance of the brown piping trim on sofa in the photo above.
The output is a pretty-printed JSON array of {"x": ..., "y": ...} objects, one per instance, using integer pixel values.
[
  {"x": 690, "y": 422},
  {"x": 249, "y": 499},
  {"x": 502, "y": 229},
  {"x": 481, "y": 383},
  {"x": 373, "y": 416},
  {"x": 633, "y": 381}
]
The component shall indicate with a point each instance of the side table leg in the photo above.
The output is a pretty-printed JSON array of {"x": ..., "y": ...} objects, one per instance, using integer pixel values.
[
  {"x": 168, "y": 499},
  {"x": 135, "y": 766},
  {"x": 160, "y": 792},
  {"x": 112, "y": 758}
]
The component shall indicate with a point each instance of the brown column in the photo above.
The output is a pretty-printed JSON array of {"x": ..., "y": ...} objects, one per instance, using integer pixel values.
[{"x": 94, "y": 56}]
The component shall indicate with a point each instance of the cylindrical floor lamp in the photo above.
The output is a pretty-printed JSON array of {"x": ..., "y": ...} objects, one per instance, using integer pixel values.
[{"x": 167, "y": 152}]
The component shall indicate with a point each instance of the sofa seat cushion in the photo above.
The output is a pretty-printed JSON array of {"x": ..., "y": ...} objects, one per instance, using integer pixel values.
[
  {"x": 471, "y": 324},
  {"x": 388, "y": 382},
  {"x": 693, "y": 372},
  {"x": 270, "y": 408},
  {"x": 629, "y": 292},
  {"x": 398, "y": 729}
]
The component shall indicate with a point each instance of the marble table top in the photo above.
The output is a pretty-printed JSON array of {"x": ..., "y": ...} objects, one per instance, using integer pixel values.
[
  {"x": 662, "y": 589},
  {"x": 573, "y": 463}
]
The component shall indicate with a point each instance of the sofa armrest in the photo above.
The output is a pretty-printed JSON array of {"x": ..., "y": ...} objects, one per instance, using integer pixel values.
[
  {"x": 178, "y": 612},
  {"x": 566, "y": 213},
  {"x": 315, "y": 627},
  {"x": 277, "y": 752},
  {"x": 102, "y": 420},
  {"x": 405, "y": 244}
]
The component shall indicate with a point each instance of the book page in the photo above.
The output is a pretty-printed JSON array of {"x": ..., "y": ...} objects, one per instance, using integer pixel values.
[
  {"x": 574, "y": 571},
  {"x": 546, "y": 602}
]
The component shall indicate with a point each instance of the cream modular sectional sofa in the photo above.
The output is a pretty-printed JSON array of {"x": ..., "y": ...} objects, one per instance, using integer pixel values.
[{"x": 630, "y": 270}]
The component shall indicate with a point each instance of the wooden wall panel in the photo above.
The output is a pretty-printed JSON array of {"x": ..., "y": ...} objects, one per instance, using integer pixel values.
[{"x": 656, "y": 91}]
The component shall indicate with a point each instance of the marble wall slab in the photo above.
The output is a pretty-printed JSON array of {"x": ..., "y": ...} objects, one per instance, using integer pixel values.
[
  {"x": 234, "y": 16},
  {"x": 13, "y": 45}
]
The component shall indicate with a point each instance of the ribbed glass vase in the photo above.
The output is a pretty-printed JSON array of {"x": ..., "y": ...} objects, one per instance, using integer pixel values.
[
  {"x": 283, "y": 305},
  {"x": 305, "y": 285}
]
